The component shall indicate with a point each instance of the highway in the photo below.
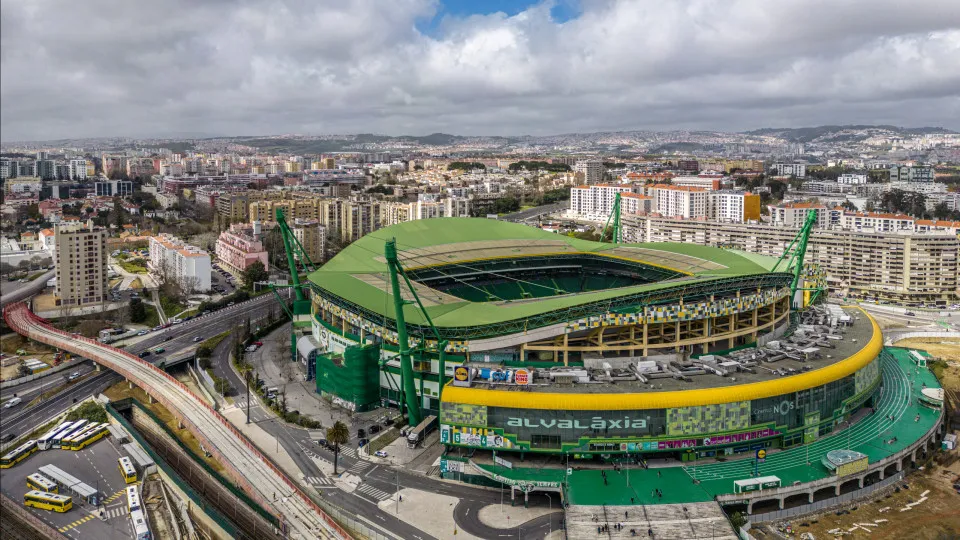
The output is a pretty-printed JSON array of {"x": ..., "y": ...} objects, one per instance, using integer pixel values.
[
  {"x": 532, "y": 213},
  {"x": 249, "y": 468},
  {"x": 26, "y": 290}
]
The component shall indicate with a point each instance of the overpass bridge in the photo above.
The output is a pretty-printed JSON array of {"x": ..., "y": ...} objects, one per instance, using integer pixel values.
[{"x": 257, "y": 476}]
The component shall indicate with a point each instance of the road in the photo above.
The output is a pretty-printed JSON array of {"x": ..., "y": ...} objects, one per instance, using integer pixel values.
[
  {"x": 254, "y": 474},
  {"x": 381, "y": 480},
  {"x": 23, "y": 291},
  {"x": 31, "y": 389},
  {"x": 532, "y": 213}
]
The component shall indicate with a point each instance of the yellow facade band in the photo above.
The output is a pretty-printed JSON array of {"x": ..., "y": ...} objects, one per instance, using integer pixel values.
[{"x": 676, "y": 398}]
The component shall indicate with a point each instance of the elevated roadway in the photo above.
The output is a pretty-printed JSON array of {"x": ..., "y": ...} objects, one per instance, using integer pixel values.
[
  {"x": 245, "y": 464},
  {"x": 26, "y": 290}
]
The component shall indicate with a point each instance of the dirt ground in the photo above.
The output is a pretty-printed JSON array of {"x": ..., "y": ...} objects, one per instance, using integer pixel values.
[
  {"x": 9, "y": 345},
  {"x": 120, "y": 391},
  {"x": 946, "y": 349},
  {"x": 937, "y": 518}
]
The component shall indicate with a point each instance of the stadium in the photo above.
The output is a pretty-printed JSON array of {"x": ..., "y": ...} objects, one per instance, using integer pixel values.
[{"x": 561, "y": 345}]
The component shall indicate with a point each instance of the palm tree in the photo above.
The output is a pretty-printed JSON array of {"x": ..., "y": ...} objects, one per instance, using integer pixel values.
[{"x": 337, "y": 435}]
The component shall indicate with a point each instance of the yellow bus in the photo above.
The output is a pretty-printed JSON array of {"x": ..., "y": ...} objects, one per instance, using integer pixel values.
[
  {"x": 18, "y": 454},
  {"x": 87, "y": 437},
  {"x": 127, "y": 470},
  {"x": 47, "y": 501},
  {"x": 39, "y": 482}
]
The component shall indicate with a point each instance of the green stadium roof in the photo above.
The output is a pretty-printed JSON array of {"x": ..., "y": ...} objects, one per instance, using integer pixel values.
[{"x": 358, "y": 274}]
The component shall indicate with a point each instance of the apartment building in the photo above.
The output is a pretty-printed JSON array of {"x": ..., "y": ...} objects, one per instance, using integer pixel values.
[
  {"x": 635, "y": 203},
  {"x": 730, "y": 206},
  {"x": 852, "y": 179},
  {"x": 859, "y": 221},
  {"x": 240, "y": 246},
  {"x": 80, "y": 260},
  {"x": 359, "y": 218},
  {"x": 906, "y": 267},
  {"x": 591, "y": 169},
  {"x": 679, "y": 201},
  {"x": 704, "y": 182},
  {"x": 312, "y": 237},
  {"x": 793, "y": 214},
  {"x": 173, "y": 259},
  {"x": 791, "y": 169},
  {"x": 595, "y": 202}
]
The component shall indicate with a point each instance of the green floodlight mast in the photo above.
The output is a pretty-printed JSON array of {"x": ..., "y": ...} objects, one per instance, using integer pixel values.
[
  {"x": 294, "y": 249},
  {"x": 617, "y": 234},
  {"x": 410, "y": 398},
  {"x": 794, "y": 254}
]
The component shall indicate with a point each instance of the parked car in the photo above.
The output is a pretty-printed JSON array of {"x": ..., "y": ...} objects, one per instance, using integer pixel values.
[
  {"x": 12, "y": 402},
  {"x": 251, "y": 348},
  {"x": 143, "y": 332},
  {"x": 380, "y": 453},
  {"x": 362, "y": 442},
  {"x": 258, "y": 343},
  {"x": 361, "y": 433}
]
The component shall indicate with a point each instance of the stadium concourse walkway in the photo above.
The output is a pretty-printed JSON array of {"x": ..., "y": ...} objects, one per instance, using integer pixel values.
[{"x": 875, "y": 435}]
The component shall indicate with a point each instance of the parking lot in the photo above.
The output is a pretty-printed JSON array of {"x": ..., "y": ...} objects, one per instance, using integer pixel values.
[{"x": 96, "y": 466}]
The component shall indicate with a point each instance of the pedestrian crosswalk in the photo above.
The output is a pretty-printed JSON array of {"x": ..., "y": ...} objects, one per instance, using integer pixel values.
[
  {"x": 372, "y": 492},
  {"x": 359, "y": 467},
  {"x": 111, "y": 513},
  {"x": 242, "y": 403},
  {"x": 318, "y": 481},
  {"x": 348, "y": 451}
]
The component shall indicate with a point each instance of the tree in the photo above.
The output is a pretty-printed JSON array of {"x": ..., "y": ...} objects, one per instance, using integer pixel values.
[
  {"x": 337, "y": 435},
  {"x": 254, "y": 273},
  {"x": 33, "y": 211},
  {"x": 138, "y": 313},
  {"x": 849, "y": 206},
  {"x": 118, "y": 213},
  {"x": 941, "y": 211}
]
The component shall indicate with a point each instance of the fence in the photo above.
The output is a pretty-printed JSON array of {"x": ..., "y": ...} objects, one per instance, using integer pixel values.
[
  {"x": 45, "y": 530},
  {"x": 826, "y": 503},
  {"x": 66, "y": 365}
]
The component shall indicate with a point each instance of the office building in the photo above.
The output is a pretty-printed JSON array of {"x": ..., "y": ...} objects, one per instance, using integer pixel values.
[
  {"x": 113, "y": 188},
  {"x": 80, "y": 261},
  {"x": 904, "y": 173}
]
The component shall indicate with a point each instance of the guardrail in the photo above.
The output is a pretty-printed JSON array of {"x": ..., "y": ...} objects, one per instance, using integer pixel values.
[
  {"x": 13, "y": 315},
  {"x": 51, "y": 371},
  {"x": 894, "y": 336}
]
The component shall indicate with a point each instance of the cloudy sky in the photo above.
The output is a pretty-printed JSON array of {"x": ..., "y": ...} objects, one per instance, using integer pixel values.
[{"x": 252, "y": 67}]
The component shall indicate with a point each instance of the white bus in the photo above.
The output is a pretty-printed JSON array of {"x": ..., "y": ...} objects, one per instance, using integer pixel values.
[
  {"x": 40, "y": 482},
  {"x": 140, "y": 528},
  {"x": 133, "y": 499},
  {"x": 44, "y": 442},
  {"x": 67, "y": 433}
]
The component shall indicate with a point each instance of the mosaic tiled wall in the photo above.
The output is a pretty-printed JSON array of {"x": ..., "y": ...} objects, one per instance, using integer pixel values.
[
  {"x": 708, "y": 418},
  {"x": 463, "y": 413},
  {"x": 685, "y": 312},
  {"x": 864, "y": 377},
  {"x": 658, "y": 314}
]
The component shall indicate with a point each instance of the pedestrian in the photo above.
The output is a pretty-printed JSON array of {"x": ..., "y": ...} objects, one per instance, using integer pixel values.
[
  {"x": 401, "y": 498},
  {"x": 658, "y": 474},
  {"x": 626, "y": 515},
  {"x": 631, "y": 500},
  {"x": 598, "y": 529}
]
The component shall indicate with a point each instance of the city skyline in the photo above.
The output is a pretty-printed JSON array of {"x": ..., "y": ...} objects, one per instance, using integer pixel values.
[{"x": 485, "y": 68}]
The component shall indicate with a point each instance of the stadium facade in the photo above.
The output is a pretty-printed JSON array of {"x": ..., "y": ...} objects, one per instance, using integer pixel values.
[{"x": 561, "y": 345}]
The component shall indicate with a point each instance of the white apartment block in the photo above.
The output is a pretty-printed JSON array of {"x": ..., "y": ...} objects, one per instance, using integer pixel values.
[
  {"x": 791, "y": 169},
  {"x": 952, "y": 200},
  {"x": 676, "y": 201},
  {"x": 80, "y": 260},
  {"x": 704, "y": 182},
  {"x": 793, "y": 215},
  {"x": 904, "y": 267},
  {"x": 78, "y": 169},
  {"x": 635, "y": 203},
  {"x": 173, "y": 259},
  {"x": 852, "y": 179},
  {"x": 730, "y": 206},
  {"x": 591, "y": 169},
  {"x": 872, "y": 221},
  {"x": 595, "y": 202}
]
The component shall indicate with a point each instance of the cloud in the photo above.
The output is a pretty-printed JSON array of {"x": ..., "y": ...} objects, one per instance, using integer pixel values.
[{"x": 108, "y": 67}]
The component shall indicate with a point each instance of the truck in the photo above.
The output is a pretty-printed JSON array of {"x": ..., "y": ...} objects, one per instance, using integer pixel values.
[{"x": 417, "y": 434}]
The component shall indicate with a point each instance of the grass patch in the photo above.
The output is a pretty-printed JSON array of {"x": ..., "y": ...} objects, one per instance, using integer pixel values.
[
  {"x": 120, "y": 391},
  {"x": 136, "y": 284},
  {"x": 211, "y": 344},
  {"x": 384, "y": 440},
  {"x": 170, "y": 305},
  {"x": 134, "y": 266}
]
